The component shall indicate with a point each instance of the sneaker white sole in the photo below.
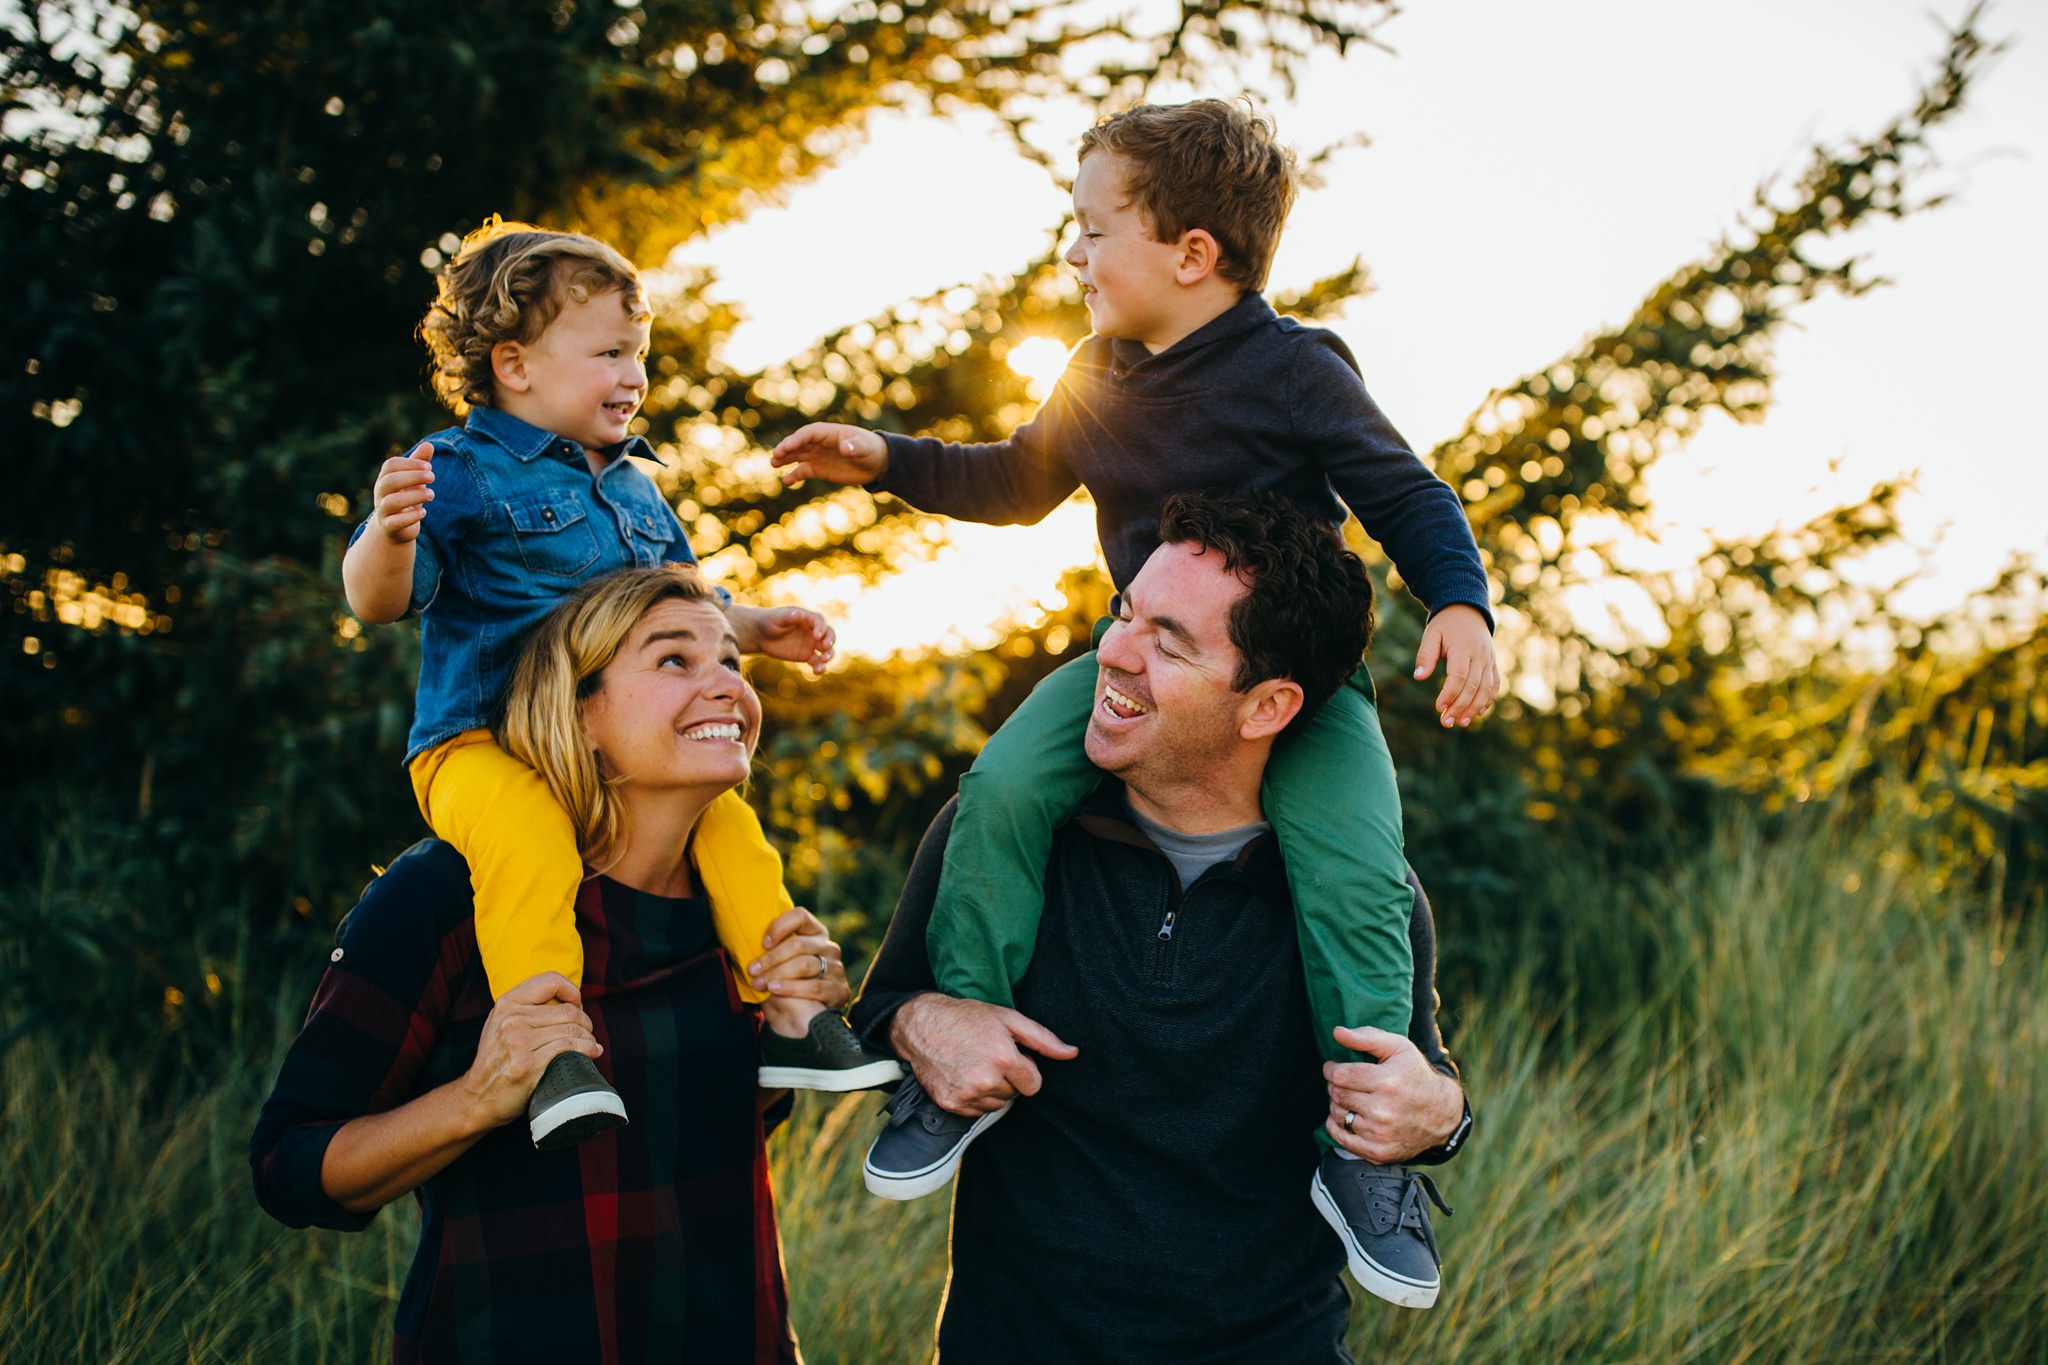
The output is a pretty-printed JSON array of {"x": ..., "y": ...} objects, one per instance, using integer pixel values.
[
  {"x": 1372, "y": 1277},
  {"x": 575, "y": 1107},
  {"x": 919, "y": 1183},
  {"x": 883, "y": 1072}
]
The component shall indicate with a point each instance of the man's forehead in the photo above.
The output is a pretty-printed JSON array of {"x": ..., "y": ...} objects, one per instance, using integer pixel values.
[{"x": 1188, "y": 582}]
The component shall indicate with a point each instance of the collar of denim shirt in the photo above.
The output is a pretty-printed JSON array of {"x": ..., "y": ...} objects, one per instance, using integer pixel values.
[{"x": 525, "y": 442}]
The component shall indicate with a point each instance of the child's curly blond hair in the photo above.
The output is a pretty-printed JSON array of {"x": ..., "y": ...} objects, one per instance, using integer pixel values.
[{"x": 507, "y": 283}]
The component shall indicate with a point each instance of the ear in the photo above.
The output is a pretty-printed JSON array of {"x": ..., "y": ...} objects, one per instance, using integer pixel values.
[
  {"x": 1199, "y": 256},
  {"x": 508, "y": 367},
  {"x": 1268, "y": 708}
]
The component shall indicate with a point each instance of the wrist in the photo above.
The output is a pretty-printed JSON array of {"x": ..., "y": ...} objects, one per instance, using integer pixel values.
[
  {"x": 471, "y": 1112},
  {"x": 746, "y": 627},
  {"x": 1455, "y": 1130},
  {"x": 904, "y": 1022}
]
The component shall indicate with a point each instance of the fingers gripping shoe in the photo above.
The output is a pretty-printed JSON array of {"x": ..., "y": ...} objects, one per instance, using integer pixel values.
[
  {"x": 827, "y": 1057},
  {"x": 1379, "y": 1214},
  {"x": 919, "y": 1149},
  {"x": 571, "y": 1103}
]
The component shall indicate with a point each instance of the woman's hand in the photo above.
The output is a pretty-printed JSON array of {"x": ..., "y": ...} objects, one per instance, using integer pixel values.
[
  {"x": 801, "y": 962},
  {"x": 531, "y": 1023}
]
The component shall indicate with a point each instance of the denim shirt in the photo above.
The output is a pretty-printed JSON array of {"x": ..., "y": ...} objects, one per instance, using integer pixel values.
[{"x": 518, "y": 521}]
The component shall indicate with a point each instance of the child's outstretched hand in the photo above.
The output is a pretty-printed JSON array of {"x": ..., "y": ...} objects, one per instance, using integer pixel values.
[
  {"x": 787, "y": 633},
  {"x": 1458, "y": 636},
  {"x": 833, "y": 451},
  {"x": 404, "y": 487}
]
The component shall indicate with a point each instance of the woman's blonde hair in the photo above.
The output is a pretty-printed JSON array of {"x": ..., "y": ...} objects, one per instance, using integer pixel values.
[
  {"x": 561, "y": 666},
  {"x": 508, "y": 281}
]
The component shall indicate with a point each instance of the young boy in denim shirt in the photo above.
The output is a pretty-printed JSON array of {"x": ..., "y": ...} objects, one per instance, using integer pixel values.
[
  {"x": 1191, "y": 381},
  {"x": 540, "y": 340}
]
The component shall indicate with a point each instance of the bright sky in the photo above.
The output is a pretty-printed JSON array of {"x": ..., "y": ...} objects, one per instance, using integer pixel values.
[{"x": 1534, "y": 169}]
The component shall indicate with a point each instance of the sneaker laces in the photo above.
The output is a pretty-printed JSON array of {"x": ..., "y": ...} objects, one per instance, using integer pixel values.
[
  {"x": 1393, "y": 1199},
  {"x": 909, "y": 1101},
  {"x": 904, "y": 1100}
]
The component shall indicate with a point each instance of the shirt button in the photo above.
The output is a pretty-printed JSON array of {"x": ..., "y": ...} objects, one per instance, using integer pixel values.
[
  {"x": 547, "y": 514},
  {"x": 334, "y": 956}
]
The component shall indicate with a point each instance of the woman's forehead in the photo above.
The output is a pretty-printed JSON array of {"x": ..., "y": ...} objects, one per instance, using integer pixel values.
[{"x": 675, "y": 617}]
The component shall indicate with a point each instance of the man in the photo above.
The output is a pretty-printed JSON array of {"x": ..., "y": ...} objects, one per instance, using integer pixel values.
[{"x": 1147, "y": 1202}]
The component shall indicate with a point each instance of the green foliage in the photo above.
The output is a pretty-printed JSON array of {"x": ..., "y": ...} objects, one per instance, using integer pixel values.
[
  {"x": 216, "y": 221},
  {"x": 219, "y": 256}
]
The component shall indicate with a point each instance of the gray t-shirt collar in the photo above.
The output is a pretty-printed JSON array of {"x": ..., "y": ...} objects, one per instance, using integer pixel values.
[{"x": 1194, "y": 854}]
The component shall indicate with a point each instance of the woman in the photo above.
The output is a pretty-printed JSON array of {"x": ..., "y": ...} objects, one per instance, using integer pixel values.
[{"x": 653, "y": 1241}]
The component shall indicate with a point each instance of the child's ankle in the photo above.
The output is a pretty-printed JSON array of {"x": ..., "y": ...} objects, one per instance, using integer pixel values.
[{"x": 790, "y": 1018}]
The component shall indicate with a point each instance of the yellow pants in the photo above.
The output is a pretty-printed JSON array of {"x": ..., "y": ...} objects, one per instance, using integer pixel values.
[{"x": 523, "y": 862}]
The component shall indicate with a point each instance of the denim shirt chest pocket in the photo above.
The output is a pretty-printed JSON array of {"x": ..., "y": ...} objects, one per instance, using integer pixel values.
[
  {"x": 552, "y": 529},
  {"x": 656, "y": 532}
]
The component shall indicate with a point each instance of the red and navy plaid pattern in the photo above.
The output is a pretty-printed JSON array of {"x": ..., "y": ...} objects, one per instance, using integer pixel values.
[{"x": 653, "y": 1242}]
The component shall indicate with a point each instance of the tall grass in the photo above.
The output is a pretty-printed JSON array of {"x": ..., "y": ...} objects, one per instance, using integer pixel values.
[{"x": 1817, "y": 1133}]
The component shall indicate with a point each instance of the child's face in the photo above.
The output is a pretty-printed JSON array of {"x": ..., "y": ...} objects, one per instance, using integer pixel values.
[
  {"x": 1131, "y": 277},
  {"x": 584, "y": 376}
]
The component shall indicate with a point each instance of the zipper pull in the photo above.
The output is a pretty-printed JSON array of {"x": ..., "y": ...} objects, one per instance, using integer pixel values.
[{"x": 1166, "y": 926}]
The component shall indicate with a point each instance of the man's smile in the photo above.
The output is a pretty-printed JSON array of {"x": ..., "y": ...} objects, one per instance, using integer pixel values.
[{"x": 1121, "y": 705}]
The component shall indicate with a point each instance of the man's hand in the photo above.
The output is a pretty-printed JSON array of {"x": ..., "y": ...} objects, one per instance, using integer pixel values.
[
  {"x": 1401, "y": 1105},
  {"x": 832, "y": 451},
  {"x": 791, "y": 634},
  {"x": 1458, "y": 636},
  {"x": 404, "y": 487},
  {"x": 968, "y": 1055}
]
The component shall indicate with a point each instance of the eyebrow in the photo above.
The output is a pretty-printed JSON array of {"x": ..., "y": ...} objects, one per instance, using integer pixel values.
[
  {"x": 1168, "y": 624},
  {"x": 1177, "y": 631},
  {"x": 724, "y": 637}
]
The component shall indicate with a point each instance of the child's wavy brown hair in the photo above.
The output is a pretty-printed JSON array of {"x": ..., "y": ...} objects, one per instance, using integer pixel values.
[
  {"x": 507, "y": 282},
  {"x": 1209, "y": 164}
]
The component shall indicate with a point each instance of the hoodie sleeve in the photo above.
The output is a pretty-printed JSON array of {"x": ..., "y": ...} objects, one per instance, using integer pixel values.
[{"x": 1415, "y": 516}]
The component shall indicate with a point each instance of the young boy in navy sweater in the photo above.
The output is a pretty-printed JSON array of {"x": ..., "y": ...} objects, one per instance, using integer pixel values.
[{"x": 1191, "y": 381}]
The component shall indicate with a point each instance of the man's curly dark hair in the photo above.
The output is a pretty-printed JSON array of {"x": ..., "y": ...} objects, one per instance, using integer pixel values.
[{"x": 1307, "y": 610}]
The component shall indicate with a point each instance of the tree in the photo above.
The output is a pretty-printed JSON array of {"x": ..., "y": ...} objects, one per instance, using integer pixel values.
[{"x": 216, "y": 219}]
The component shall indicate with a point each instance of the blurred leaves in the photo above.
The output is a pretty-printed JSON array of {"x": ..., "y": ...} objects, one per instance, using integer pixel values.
[{"x": 219, "y": 221}]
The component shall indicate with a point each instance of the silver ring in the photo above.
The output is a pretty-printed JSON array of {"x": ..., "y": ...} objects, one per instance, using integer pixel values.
[
  {"x": 1348, "y": 1117},
  {"x": 823, "y": 965}
]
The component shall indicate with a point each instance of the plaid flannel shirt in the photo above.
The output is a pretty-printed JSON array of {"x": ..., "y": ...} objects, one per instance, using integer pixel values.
[{"x": 655, "y": 1241}]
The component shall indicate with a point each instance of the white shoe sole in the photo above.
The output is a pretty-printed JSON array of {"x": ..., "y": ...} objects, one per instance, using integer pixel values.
[
  {"x": 1372, "y": 1277},
  {"x": 867, "y": 1077},
  {"x": 575, "y": 1107},
  {"x": 919, "y": 1183}
]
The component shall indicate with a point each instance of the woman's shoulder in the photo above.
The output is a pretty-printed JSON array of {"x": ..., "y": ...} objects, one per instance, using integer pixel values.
[{"x": 418, "y": 900}]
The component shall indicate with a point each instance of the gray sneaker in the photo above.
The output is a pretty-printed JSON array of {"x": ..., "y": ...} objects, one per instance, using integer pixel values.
[
  {"x": 919, "y": 1149},
  {"x": 1379, "y": 1214},
  {"x": 571, "y": 1103},
  {"x": 828, "y": 1057}
]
